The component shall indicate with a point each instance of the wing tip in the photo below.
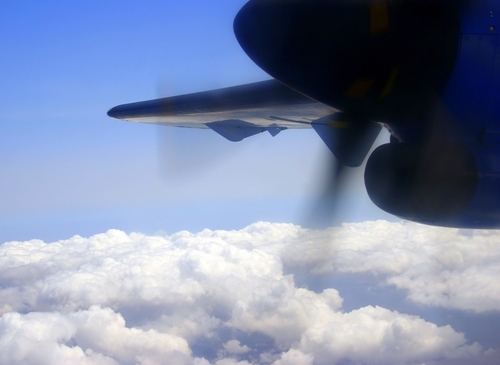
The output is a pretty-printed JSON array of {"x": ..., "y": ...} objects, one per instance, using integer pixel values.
[
  {"x": 114, "y": 112},
  {"x": 135, "y": 110}
]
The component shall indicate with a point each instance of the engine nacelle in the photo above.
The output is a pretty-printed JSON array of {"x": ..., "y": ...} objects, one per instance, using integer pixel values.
[{"x": 445, "y": 185}]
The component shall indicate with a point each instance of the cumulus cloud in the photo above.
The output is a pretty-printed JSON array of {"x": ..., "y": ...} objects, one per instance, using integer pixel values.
[
  {"x": 234, "y": 347},
  {"x": 230, "y": 297},
  {"x": 94, "y": 336},
  {"x": 451, "y": 268}
]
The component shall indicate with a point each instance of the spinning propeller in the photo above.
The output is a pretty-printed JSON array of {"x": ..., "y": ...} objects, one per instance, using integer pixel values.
[
  {"x": 377, "y": 61},
  {"x": 346, "y": 68}
]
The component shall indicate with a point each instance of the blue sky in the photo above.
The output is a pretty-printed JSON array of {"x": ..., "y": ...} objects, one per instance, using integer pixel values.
[
  {"x": 75, "y": 185},
  {"x": 69, "y": 169}
]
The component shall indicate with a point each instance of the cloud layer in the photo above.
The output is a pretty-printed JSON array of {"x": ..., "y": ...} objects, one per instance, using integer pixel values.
[{"x": 229, "y": 297}]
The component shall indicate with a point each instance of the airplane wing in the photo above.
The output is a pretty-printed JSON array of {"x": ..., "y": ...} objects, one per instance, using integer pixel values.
[
  {"x": 242, "y": 111},
  {"x": 235, "y": 112}
]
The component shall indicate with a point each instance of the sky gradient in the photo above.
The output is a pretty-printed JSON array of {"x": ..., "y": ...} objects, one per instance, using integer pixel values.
[{"x": 68, "y": 166}]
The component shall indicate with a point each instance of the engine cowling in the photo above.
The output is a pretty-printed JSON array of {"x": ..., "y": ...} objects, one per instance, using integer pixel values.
[
  {"x": 445, "y": 185},
  {"x": 380, "y": 60}
]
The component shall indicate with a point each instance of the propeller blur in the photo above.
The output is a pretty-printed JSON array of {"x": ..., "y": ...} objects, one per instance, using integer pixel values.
[{"x": 426, "y": 70}]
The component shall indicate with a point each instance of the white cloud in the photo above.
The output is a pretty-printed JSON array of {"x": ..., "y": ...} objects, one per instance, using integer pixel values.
[
  {"x": 43, "y": 338},
  {"x": 221, "y": 297},
  {"x": 94, "y": 336},
  {"x": 383, "y": 337},
  {"x": 452, "y": 268},
  {"x": 295, "y": 357},
  {"x": 234, "y": 347},
  {"x": 104, "y": 331}
]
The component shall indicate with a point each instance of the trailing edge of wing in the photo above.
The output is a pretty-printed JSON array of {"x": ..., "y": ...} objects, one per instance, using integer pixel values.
[{"x": 267, "y": 105}]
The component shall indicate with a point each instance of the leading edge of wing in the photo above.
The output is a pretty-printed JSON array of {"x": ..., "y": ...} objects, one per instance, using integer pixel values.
[{"x": 265, "y": 104}]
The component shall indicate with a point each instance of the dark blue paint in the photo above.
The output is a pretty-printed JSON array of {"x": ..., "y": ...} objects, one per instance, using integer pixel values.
[{"x": 473, "y": 99}]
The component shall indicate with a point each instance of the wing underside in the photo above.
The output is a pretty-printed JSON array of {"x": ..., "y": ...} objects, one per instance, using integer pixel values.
[
  {"x": 234, "y": 112},
  {"x": 242, "y": 111}
]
